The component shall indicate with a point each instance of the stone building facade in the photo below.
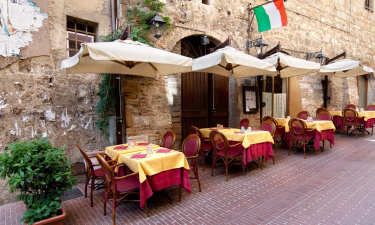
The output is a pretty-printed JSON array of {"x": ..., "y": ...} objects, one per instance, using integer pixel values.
[{"x": 37, "y": 98}]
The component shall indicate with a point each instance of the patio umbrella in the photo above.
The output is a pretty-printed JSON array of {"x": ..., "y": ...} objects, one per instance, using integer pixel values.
[
  {"x": 228, "y": 60},
  {"x": 345, "y": 68},
  {"x": 289, "y": 66},
  {"x": 126, "y": 57}
]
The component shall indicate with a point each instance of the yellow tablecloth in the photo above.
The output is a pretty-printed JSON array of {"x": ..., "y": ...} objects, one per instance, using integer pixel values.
[
  {"x": 206, "y": 131},
  {"x": 248, "y": 138},
  {"x": 318, "y": 125},
  {"x": 366, "y": 114},
  {"x": 115, "y": 153},
  {"x": 155, "y": 163}
]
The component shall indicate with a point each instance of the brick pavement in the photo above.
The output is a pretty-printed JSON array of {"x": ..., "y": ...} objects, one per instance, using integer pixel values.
[{"x": 336, "y": 186}]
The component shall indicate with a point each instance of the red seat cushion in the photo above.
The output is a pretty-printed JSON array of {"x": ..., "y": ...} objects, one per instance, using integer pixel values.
[
  {"x": 231, "y": 152},
  {"x": 207, "y": 145},
  {"x": 99, "y": 172},
  {"x": 300, "y": 137},
  {"x": 128, "y": 184}
]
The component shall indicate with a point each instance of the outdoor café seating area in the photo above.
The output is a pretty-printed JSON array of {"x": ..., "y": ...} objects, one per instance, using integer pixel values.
[{"x": 136, "y": 171}]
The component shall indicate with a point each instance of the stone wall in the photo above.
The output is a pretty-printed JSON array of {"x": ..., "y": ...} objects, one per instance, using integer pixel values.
[{"x": 37, "y": 98}]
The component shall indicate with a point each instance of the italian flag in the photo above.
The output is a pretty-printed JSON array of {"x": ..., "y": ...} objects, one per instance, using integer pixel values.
[{"x": 270, "y": 15}]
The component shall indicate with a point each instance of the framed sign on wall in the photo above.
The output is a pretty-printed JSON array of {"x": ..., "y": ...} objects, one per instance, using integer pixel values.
[{"x": 250, "y": 99}]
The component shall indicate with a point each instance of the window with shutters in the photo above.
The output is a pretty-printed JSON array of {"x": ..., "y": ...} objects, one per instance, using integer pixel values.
[
  {"x": 369, "y": 5},
  {"x": 77, "y": 32}
]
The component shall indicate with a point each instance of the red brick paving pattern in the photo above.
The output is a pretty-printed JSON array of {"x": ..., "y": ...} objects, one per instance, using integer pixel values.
[{"x": 336, "y": 186}]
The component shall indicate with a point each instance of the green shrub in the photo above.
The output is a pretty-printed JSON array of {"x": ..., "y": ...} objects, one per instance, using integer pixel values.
[{"x": 40, "y": 173}]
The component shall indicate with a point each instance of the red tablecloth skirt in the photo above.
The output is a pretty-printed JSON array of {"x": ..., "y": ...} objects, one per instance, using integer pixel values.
[
  {"x": 319, "y": 136},
  {"x": 163, "y": 180},
  {"x": 257, "y": 150},
  {"x": 339, "y": 122}
]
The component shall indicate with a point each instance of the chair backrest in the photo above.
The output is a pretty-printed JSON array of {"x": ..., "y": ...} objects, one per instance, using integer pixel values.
[
  {"x": 191, "y": 145},
  {"x": 297, "y": 127},
  {"x": 89, "y": 164},
  {"x": 168, "y": 140},
  {"x": 320, "y": 111},
  {"x": 270, "y": 118},
  {"x": 219, "y": 141},
  {"x": 108, "y": 172},
  {"x": 351, "y": 106},
  {"x": 269, "y": 126},
  {"x": 324, "y": 116},
  {"x": 245, "y": 123},
  {"x": 303, "y": 115},
  {"x": 370, "y": 108},
  {"x": 350, "y": 115}
]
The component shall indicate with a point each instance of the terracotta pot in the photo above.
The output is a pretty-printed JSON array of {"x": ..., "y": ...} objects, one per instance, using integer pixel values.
[{"x": 57, "y": 220}]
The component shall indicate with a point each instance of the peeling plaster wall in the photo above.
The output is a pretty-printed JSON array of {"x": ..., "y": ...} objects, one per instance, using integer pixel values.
[{"x": 37, "y": 98}]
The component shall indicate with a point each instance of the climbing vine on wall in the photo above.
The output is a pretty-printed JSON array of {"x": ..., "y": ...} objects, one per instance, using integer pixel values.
[{"x": 138, "y": 17}]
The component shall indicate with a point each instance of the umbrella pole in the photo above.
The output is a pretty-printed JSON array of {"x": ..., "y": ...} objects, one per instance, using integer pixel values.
[
  {"x": 287, "y": 96},
  {"x": 325, "y": 91}
]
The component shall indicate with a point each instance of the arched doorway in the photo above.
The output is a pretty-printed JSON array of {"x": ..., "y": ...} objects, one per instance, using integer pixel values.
[{"x": 204, "y": 96}]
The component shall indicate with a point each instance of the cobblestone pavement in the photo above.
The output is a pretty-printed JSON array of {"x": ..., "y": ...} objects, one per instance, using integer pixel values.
[{"x": 336, "y": 186}]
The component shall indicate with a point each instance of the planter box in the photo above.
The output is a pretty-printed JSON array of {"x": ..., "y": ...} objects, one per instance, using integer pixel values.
[{"x": 57, "y": 220}]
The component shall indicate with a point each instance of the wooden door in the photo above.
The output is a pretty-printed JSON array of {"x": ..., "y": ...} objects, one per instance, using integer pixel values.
[{"x": 204, "y": 96}]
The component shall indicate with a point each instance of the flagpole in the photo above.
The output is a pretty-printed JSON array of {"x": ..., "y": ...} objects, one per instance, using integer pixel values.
[{"x": 262, "y": 4}]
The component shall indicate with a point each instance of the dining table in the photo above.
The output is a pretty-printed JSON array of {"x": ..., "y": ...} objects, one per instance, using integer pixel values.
[
  {"x": 157, "y": 170},
  {"x": 321, "y": 129},
  {"x": 368, "y": 118},
  {"x": 255, "y": 143}
]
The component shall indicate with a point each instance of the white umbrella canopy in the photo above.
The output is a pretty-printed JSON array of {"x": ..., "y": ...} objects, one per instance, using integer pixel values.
[
  {"x": 126, "y": 57},
  {"x": 289, "y": 66},
  {"x": 345, "y": 68},
  {"x": 228, "y": 60}
]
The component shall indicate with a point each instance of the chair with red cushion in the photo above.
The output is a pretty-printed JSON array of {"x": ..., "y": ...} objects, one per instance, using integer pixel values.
[
  {"x": 303, "y": 115},
  {"x": 320, "y": 111},
  {"x": 370, "y": 108},
  {"x": 280, "y": 130},
  {"x": 300, "y": 135},
  {"x": 168, "y": 140},
  {"x": 245, "y": 123},
  {"x": 269, "y": 126},
  {"x": 324, "y": 116},
  {"x": 206, "y": 145},
  {"x": 118, "y": 188},
  {"x": 229, "y": 154},
  {"x": 92, "y": 174},
  {"x": 351, "y": 106},
  {"x": 191, "y": 147},
  {"x": 351, "y": 120}
]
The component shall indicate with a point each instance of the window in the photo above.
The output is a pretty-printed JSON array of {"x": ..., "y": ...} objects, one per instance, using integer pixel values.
[
  {"x": 78, "y": 32},
  {"x": 362, "y": 85},
  {"x": 369, "y": 5},
  {"x": 206, "y": 2}
]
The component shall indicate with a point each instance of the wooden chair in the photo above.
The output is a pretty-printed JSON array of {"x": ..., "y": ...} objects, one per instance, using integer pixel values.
[
  {"x": 245, "y": 123},
  {"x": 320, "y": 111},
  {"x": 225, "y": 152},
  {"x": 324, "y": 116},
  {"x": 269, "y": 126},
  {"x": 206, "y": 145},
  {"x": 92, "y": 174},
  {"x": 118, "y": 188},
  {"x": 351, "y": 120},
  {"x": 168, "y": 140},
  {"x": 191, "y": 147},
  {"x": 351, "y": 106},
  {"x": 280, "y": 130},
  {"x": 299, "y": 135},
  {"x": 303, "y": 115}
]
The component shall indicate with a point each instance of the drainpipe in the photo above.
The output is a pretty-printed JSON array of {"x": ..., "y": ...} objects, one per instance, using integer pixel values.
[{"x": 113, "y": 14}]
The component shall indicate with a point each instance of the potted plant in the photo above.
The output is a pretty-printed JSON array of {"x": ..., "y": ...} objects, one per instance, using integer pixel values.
[{"x": 40, "y": 173}]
